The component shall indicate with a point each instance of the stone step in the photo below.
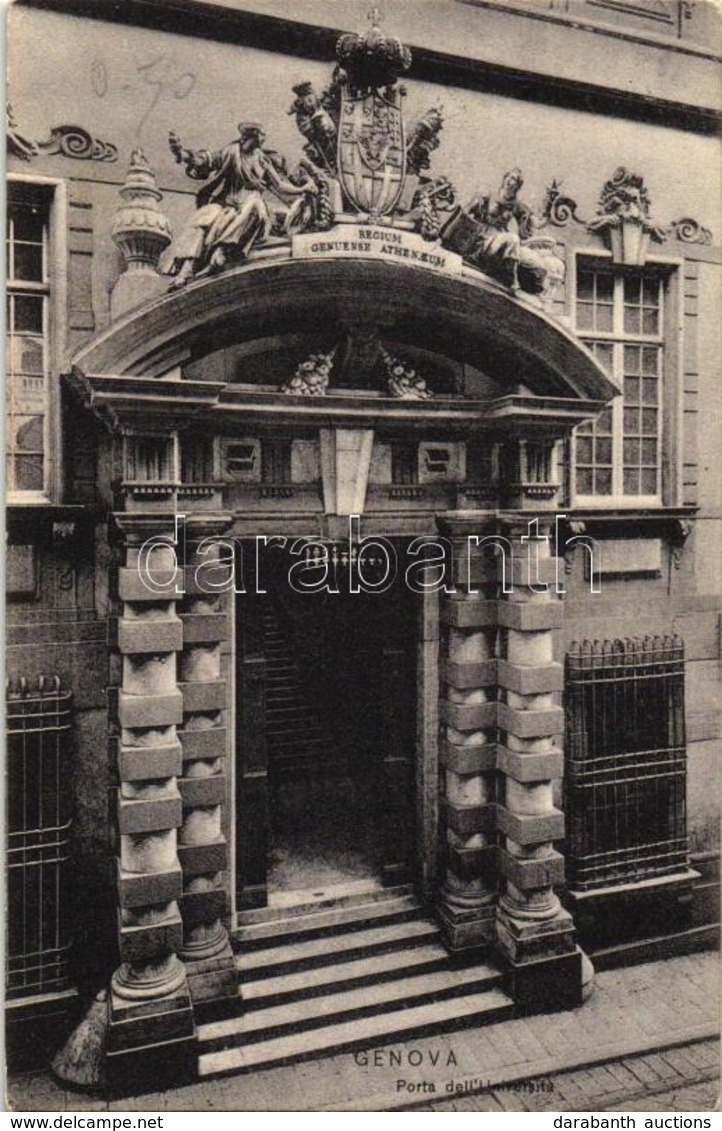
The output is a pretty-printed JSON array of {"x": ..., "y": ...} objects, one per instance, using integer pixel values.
[
  {"x": 328, "y": 920},
  {"x": 381, "y": 1028},
  {"x": 308, "y": 953},
  {"x": 283, "y": 695},
  {"x": 277, "y": 710},
  {"x": 310, "y": 731},
  {"x": 294, "y": 1016},
  {"x": 320, "y": 980}
]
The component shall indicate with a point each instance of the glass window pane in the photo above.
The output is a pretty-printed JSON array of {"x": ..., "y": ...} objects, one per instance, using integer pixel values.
[
  {"x": 649, "y": 482},
  {"x": 603, "y": 482},
  {"x": 650, "y": 292},
  {"x": 603, "y": 451},
  {"x": 27, "y": 432},
  {"x": 632, "y": 290},
  {"x": 649, "y": 390},
  {"x": 29, "y": 473},
  {"x": 584, "y": 481},
  {"x": 632, "y": 320},
  {"x": 585, "y": 285},
  {"x": 604, "y": 354},
  {"x": 649, "y": 452},
  {"x": 605, "y": 319},
  {"x": 24, "y": 353},
  {"x": 585, "y": 428},
  {"x": 631, "y": 452},
  {"x": 649, "y": 421},
  {"x": 26, "y": 222},
  {"x": 650, "y": 355},
  {"x": 604, "y": 422},
  {"x": 585, "y": 316},
  {"x": 650, "y": 322},
  {"x": 631, "y": 481},
  {"x": 28, "y": 313},
  {"x": 605, "y": 287},
  {"x": 631, "y": 359},
  {"x": 28, "y": 262},
  {"x": 584, "y": 449},
  {"x": 25, "y": 395},
  {"x": 631, "y": 390},
  {"x": 631, "y": 421}
]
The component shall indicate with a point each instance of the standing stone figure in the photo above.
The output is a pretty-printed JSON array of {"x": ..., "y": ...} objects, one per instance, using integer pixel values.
[{"x": 232, "y": 214}]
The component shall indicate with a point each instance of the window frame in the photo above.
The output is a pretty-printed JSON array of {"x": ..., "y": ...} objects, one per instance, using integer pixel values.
[
  {"x": 668, "y": 270},
  {"x": 55, "y": 287}
]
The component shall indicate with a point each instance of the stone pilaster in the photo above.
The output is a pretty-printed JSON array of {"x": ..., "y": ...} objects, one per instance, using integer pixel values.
[
  {"x": 535, "y": 934},
  {"x": 203, "y": 847},
  {"x": 149, "y": 1001},
  {"x": 467, "y": 754}
]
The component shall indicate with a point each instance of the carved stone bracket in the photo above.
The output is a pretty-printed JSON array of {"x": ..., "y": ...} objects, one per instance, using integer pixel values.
[
  {"x": 570, "y": 546},
  {"x": 67, "y": 141},
  {"x": 623, "y": 215},
  {"x": 557, "y": 208},
  {"x": 680, "y": 532},
  {"x": 688, "y": 230}
]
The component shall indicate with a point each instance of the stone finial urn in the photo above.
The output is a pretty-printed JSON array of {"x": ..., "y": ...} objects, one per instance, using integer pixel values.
[{"x": 142, "y": 233}]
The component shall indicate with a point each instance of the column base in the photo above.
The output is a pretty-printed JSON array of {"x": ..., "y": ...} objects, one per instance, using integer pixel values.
[
  {"x": 527, "y": 939},
  {"x": 213, "y": 980},
  {"x": 545, "y": 985},
  {"x": 151, "y": 1043},
  {"x": 467, "y": 928}
]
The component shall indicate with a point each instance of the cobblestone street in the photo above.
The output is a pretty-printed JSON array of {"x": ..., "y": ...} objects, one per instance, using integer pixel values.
[{"x": 674, "y": 1079}]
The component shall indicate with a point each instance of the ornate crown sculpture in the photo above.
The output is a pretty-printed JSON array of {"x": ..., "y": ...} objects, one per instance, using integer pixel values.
[
  {"x": 360, "y": 166},
  {"x": 372, "y": 60}
]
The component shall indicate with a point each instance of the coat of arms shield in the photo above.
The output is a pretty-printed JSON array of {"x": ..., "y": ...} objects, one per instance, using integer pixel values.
[{"x": 371, "y": 151}]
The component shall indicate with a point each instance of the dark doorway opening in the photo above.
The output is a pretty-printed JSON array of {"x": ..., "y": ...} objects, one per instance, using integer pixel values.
[{"x": 326, "y": 737}]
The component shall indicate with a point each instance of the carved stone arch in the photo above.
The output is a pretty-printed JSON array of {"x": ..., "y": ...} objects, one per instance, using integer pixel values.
[
  {"x": 164, "y": 453},
  {"x": 470, "y": 319}
]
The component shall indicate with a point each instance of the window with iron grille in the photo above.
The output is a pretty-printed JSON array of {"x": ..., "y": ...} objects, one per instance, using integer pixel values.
[
  {"x": 626, "y": 761},
  {"x": 39, "y": 828},
  {"x": 620, "y": 317},
  {"x": 404, "y": 463},
  {"x": 276, "y": 461}
]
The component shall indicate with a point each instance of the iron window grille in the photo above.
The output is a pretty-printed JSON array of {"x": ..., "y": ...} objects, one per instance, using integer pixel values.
[
  {"x": 626, "y": 761},
  {"x": 39, "y": 724}
]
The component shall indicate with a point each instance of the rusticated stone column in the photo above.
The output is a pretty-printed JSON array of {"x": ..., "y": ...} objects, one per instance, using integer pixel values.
[
  {"x": 202, "y": 848},
  {"x": 149, "y": 1002},
  {"x": 535, "y": 933},
  {"x": 468, "y": 753}
]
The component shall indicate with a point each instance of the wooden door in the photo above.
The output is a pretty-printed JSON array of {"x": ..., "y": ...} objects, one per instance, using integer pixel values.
[
  {"x": 252, "y": 813},
  {"x": 398, "y": 718}
]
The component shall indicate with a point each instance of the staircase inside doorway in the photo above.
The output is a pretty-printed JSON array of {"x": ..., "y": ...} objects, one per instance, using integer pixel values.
[
  {"x": 344, "y": 977},
  {"x": 314, "y": 780}
]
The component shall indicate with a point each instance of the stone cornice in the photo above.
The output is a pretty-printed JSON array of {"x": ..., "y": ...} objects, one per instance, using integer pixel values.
[
  {"x": 290, "y": 37},
  {"x": 125, "y": 403}
]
